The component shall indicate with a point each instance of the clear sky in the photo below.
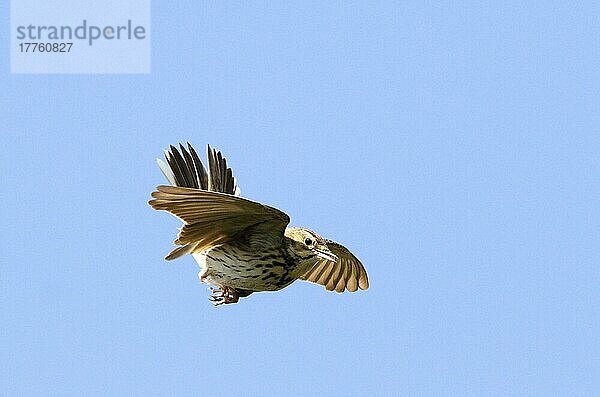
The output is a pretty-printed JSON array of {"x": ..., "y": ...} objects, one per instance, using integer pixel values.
[{"x": 454, "y": 148}]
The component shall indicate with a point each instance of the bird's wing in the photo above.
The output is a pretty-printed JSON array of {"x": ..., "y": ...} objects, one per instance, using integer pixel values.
[
  {"x": 185, "y": 169},
  {"x": 212, "y": 218},
  {"x": 220, "y": 177},
  {"x": 345, "y": 273}
]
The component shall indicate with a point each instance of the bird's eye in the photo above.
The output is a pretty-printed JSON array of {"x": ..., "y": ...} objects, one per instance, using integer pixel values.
[{"x": 308, "y": 241}]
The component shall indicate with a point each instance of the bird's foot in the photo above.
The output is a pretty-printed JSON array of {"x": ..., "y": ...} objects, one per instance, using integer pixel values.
[{"x": 223, "y": 295}]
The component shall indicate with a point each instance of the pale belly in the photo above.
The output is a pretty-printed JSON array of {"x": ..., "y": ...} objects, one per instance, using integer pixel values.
[{"x": 219, "y": 267}]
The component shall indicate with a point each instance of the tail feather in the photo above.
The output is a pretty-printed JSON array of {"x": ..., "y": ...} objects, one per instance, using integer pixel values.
[{"x": 180, "y": 251}]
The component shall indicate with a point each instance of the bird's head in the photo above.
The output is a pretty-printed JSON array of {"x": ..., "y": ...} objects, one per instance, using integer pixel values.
[{"x": 307, "y": 246}]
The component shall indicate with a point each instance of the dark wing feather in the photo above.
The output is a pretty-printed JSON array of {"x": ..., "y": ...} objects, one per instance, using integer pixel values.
[
  {"x": 220, "y": 176},
  {"x": 185, "y": 169},
  {"x": 201, "y": 171}
]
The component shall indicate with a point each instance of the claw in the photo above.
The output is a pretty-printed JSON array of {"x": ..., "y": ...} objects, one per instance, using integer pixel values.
[{"x": 223, "y": 295}]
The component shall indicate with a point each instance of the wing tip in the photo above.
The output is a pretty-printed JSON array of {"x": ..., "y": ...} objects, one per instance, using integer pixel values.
[{"x": 363, "y": 283}]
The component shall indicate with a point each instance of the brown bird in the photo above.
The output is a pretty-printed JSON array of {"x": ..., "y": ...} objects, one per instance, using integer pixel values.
[{"x": 240, "y": 245}]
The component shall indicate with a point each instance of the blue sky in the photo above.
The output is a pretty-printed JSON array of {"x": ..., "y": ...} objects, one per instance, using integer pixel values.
[{"x": 453, "y": 148}]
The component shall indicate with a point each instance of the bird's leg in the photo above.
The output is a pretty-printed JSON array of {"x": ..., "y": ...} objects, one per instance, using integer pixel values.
[
  {"x": 217, "y": 296},
  {"x": 223, "y": 295},
  {"x": 231, "y": 295}
]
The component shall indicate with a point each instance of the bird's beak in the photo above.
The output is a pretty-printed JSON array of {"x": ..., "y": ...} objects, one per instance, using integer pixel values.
[{"x": 326, "y": 254}]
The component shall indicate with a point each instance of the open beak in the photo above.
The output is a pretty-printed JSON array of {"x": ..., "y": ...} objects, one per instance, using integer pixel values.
[{"x": 326, "y": 254}]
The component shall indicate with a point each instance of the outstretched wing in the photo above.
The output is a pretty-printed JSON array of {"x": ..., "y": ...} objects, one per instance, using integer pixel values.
[
  {"x": 212, "y": 218},
  {"x": 345, "y": 273},
  {"x": 220, "y": 177},
  {"x": 185, "y": 169}
]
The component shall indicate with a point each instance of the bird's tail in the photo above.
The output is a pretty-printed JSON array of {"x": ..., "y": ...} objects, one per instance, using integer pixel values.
[{"x": 185, "y": 169}]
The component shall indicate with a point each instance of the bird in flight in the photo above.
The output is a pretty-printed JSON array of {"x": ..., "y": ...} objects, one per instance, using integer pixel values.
[{"x": 240, "y": 245}]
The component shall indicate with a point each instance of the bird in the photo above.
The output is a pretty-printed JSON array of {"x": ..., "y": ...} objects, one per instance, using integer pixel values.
[{"x": 243, "y": 246}]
